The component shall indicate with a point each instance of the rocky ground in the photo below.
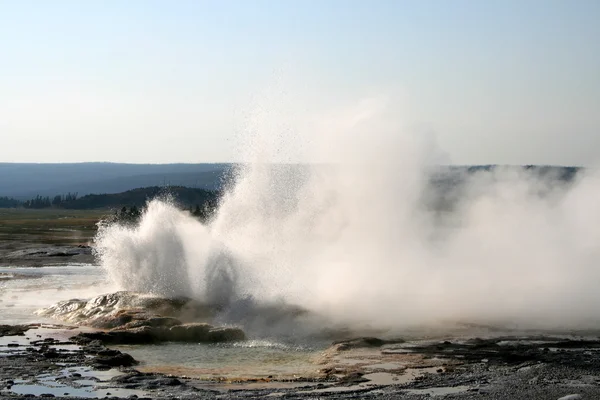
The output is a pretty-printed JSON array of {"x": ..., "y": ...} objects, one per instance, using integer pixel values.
[
  {"x": 54, "y": 362},
  {"x": 64, "y": 361},
  {"x": 132, "y": 318}
]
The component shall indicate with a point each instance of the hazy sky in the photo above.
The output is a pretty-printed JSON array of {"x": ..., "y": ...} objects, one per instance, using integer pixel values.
[{"x": 173, "y": 81}]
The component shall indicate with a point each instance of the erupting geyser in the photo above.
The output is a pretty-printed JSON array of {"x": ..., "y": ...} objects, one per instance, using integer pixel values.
[{"x": 356, "y": 232}]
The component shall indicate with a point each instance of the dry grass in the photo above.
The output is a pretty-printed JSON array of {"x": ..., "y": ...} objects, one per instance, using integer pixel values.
[{"x": 49, "y": 226}]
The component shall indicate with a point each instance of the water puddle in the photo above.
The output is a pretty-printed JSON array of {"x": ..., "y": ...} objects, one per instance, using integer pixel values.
[
  {"x": 65, "y": 390},
  {"x": 380, "y": 379},
  {"x": 37, "y": 337},
  {"x": 384, "y": 378},
  {"x": 228, "y": 362},
  {"x": 86, "y": 372},
  {"x": 338, "y": 389},
  {"x": 8, "y": 342},
  {"x": 24, "y": 290},
  {"x": 409, "y": 375},
  {"x": 69, "y": 348},
  {"x": 95, "y": 384},
  {"x": 385, "y": 366}
]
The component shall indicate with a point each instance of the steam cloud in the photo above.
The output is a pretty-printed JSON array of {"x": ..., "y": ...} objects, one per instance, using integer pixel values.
[{"x": 358, "y": 235}]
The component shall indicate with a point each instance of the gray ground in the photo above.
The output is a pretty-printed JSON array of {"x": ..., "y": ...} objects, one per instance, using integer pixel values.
[
  {"x": 521, "y": 366},
  {"x": 500, "y": 368}
]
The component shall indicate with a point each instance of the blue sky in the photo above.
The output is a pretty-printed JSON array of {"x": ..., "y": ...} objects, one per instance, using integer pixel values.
[{"x": 170, "y": 81}]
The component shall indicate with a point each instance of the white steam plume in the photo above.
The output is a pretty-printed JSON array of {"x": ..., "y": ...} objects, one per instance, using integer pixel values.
[{"x": 350, "y": 234}]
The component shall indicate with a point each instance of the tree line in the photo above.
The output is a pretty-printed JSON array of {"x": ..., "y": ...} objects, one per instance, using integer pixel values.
[
  {"x": 198, "y": 199},
  {"x": 127, "y": 206},
  {"x": 39, "y": 202},
  {"x": 133, "y": 214},
  {"x": 9, "y": 202}
]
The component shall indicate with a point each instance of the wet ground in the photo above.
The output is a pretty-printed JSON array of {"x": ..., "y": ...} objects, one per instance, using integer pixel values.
[
  {"x": 41, "y": 361},
  {"x": 23, "y": 290}
]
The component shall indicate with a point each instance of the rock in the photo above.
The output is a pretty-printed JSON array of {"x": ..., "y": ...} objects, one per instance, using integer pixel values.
[
  {"x": 51, "y": 353},
  {"x": 194, "y": 333},
  {"x": 105, "y": 352},
  {"x": 353, "y": 378},
  {"x": 153, "y": 322},
  {"x": 115, "y": 358},
  {"x": 14, "y": 330},
  {"x": 144, "y": 381},
  {"x": 118, "y": 309},
  {"x": 143, "y": 335},
  {"x": 91, "y": 346},
  {"x": 120, "y": 318},
  {"x": 132, "y": 318},
  {"x": 362, "y": 342},
  {"x": 225, "y": 335},
  {"x": 197, "y": 332},
  {"x": 167, "y": 382}
]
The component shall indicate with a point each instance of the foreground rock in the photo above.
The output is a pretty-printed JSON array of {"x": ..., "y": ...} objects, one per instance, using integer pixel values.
[
  {"x": 52, "y": 353},
  {"x": 191, "y": 333},
  {"x": 120, "y": 308},
  {"x": 132, "y": 318}
]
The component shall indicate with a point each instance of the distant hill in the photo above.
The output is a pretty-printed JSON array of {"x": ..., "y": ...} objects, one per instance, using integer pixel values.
[
  {"x": 210, "y": 180},
  {"x": 24, "y": 181},
  {"x": 447, "y": 184},
  {"x": 27, "y": 181}
]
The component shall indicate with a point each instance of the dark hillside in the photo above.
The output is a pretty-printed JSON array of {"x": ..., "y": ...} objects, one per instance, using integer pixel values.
[
  {"x": 183, "y": 196},
  {"x": 25, "y": 181}
]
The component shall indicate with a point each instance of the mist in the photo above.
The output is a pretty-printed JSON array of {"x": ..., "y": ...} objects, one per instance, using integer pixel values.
[{"x": 357, "y": 233}]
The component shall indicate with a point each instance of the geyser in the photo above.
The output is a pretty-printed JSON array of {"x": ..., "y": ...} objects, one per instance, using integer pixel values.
[{"x": 352, "y": 233}]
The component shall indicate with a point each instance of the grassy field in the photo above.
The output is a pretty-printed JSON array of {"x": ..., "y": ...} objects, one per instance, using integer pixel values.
[{"x": 49, "y": 226}]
